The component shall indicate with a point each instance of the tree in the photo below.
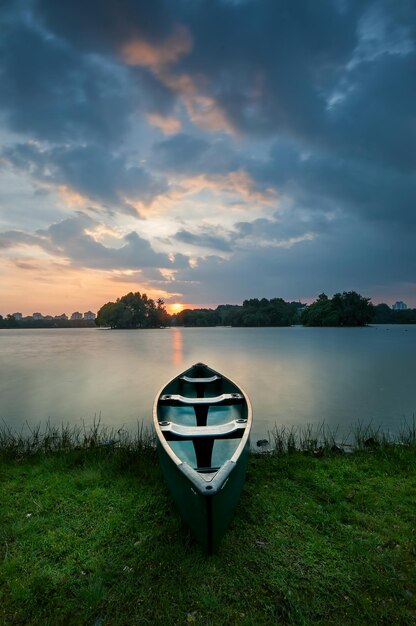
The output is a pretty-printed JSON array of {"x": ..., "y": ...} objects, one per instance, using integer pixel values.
[
  {"x": 383, "y": 314},
  {"x": 346, "y": 309},
  {"x": 134, "y": 310},
  {"x": 353, "y": 309},
  {"x": 198, "y": 317},
  {"x": 254, "y": 312}
]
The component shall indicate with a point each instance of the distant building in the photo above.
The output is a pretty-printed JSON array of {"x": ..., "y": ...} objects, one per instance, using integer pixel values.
[
  {"x": 399, "y": 306},
  {"x": 37, "y": 316},
  {"x": 61, "y": 317},
  {"x": 17, "y": 316},
  {"x": 89, "y": 315},
  {"x": 76, "y": 316}
]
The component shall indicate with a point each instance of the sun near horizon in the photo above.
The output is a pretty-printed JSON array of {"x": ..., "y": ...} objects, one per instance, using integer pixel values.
[{"x": 175, "y": 307}]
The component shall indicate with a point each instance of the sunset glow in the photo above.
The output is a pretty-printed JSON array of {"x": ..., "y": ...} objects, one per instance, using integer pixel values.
[{"x": 176, "y": 307}]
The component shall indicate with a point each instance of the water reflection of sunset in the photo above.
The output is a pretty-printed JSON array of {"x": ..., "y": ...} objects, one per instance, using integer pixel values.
[{"x": 177, "y": 346}]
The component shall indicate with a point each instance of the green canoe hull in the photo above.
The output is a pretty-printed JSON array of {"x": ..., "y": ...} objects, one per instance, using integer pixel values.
[{"x": 208, "y": 516}]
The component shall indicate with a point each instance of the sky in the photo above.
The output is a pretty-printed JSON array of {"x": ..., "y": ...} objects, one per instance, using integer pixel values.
[{"x": 206, "y": 151}]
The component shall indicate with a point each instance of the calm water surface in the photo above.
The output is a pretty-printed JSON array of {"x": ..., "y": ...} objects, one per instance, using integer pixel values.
[{"x": 293, "y": 375}]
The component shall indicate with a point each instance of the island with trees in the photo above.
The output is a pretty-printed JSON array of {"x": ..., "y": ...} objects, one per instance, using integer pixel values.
[{"x": 134, "y": 310}]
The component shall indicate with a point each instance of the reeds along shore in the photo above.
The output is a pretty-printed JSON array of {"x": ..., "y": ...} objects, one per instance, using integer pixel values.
[
  {"x": 49, "y": 438},
  {"x": 317, "y": 440}
]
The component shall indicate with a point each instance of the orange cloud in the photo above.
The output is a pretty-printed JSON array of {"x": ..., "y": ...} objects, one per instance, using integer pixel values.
[
  {"x": 142, "y": 52},
  {"x": 71, "y": 198},
  {"x": 168, "y": 125},
  {"x": 202, "y": 109},
  {"x": 238, "y": 182}
]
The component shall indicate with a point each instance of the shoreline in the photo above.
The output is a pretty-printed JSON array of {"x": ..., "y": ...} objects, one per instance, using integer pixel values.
[{"x": 316, "y": 440}]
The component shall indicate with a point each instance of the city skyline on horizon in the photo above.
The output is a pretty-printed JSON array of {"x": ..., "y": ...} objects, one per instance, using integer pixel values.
[{"x": 206, "y": 153}]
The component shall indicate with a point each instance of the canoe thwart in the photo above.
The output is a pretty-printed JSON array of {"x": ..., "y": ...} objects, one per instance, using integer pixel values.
[
  {"x": 223, "y": 399},
  {"x": 177, "y": 432},
  {"x": 195, "y": 381}
]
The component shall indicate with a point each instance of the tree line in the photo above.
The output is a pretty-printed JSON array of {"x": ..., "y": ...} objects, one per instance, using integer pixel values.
[
  {"x": 136, "y": 310},
  {"x": 254, "y": 312}
]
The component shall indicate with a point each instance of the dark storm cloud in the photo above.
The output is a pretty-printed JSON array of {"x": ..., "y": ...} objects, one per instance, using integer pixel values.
[
  {"x": 282, "y": 228},
  {"x": 188, "y": 154},
  {"x": 181, "y": 153},
  {"x": 349, "y": 257},
  {"x": 88, "y": 170},
  {"x": 270, "y": 73},
  {"x": 329, "y": 182},
  {"x": 375, "y": 121},
  {"x": 267, "y": 64},
  {"x": 272, "y": 66},
  {"x": 52, "y": 92},
  {"x": 104, "y": 25}
]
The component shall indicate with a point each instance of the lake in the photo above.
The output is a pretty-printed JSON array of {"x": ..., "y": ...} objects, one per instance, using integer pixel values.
[{"x": 293, "y": 376}]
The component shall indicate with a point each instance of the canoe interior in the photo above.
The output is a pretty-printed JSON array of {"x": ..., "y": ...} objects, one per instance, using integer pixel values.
[{"x": 205, "y": 454}]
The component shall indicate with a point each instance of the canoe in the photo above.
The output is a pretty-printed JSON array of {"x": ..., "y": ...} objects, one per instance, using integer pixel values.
[{"x": 203, "y": 421}]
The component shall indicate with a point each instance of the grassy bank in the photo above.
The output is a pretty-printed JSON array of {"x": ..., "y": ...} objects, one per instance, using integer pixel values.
[{"x": 89, "y": 535}]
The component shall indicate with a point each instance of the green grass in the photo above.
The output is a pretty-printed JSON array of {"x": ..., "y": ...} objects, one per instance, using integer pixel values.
[{"x": 91, "y": 536}]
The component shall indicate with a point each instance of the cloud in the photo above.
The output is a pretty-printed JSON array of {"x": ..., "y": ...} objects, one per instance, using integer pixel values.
[
  {"x": 206, "y": 238},
  {"x": 180, "y": 153},
  {"x": 372, "y": 265},
  {"x": 168, "y": 125},
  {"x": 157, "y": 55},
  {"x": 107, "y": 25},
  {"x": 13, "y": 238},
  {"x": 375, "y": 120},
  {"x": 73, "y": 239},
  {"x": 288, "y": 160},
  {"x": 54, "y": 93},
  {"x": 89, "y": 172},
  {"x": 328, "y": 182}
]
